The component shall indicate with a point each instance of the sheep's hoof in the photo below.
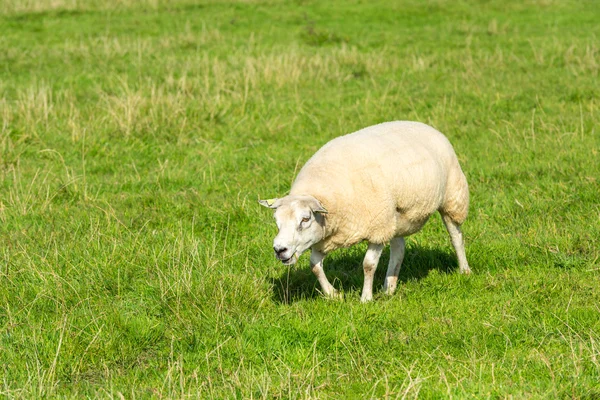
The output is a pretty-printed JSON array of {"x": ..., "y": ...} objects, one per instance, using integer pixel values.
[
  {"x": 335, "y": 295},
  {"x": 389, "y": 290},
  {"x": 465, "y": 271}
]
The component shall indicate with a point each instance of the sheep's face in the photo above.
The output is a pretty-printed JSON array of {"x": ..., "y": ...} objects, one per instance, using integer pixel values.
[{"x": 301, "y": 224}]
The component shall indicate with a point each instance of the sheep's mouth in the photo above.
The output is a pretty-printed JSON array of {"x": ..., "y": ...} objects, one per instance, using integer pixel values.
[{"x": 290, "y": 261}]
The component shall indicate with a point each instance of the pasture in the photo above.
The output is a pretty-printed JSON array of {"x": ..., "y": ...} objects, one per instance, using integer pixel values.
[{"x": 137, "y": 136}]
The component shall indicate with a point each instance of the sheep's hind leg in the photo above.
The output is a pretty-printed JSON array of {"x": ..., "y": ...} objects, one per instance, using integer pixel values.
[
  {"x": 316, "y": 264},
  {"x": 458, "y": 243},
  {"x": 397, "y": 247},
  {"x": 370, "y": 265}
]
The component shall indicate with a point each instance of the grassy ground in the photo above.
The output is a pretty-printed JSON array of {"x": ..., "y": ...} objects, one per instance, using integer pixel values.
[{"x": 136, "y": 137}]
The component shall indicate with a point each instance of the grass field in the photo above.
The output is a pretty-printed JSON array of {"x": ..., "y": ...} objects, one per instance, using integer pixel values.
[{"x": 137, "y": 136}]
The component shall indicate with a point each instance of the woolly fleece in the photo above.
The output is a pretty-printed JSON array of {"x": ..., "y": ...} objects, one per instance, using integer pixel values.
[{"x": 382, "y": 182}]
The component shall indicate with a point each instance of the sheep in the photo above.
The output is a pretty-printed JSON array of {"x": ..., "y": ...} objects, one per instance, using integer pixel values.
[{"x": 379, "y": 184}]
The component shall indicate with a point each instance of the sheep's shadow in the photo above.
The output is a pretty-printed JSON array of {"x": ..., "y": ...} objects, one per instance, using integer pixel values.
[{"x": 344, "y": 270}]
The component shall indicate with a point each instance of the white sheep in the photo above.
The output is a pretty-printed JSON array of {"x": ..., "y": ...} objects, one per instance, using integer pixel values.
[{"x": 379, "y": 184}]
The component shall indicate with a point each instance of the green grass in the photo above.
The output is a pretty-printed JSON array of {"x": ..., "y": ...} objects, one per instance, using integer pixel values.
[{"x": 136, "y": 137}]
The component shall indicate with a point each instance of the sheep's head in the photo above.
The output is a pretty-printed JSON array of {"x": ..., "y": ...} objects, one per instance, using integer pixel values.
[{"x": 301, "y": 224}]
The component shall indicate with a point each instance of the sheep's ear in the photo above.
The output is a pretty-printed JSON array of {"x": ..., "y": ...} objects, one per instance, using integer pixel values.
[
  {"x": 317, "y": 207},
  {"x": 270, "y": 203}
]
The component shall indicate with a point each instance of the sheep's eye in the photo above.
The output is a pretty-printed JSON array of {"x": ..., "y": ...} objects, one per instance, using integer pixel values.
[{"x": 305, "y": 219}]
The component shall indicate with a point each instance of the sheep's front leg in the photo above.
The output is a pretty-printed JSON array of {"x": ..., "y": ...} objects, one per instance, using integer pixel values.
[
  {"x": 396, "y": 257},
  {"x": 370, "y": 265},
  {"x": 316, "y": 264}
]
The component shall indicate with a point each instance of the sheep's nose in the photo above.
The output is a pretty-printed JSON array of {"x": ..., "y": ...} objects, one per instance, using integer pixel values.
[{"x": 279, "y": 249}]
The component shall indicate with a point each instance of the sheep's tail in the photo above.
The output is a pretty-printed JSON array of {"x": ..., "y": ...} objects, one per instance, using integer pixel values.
[{"x": 456, "y": 199}]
